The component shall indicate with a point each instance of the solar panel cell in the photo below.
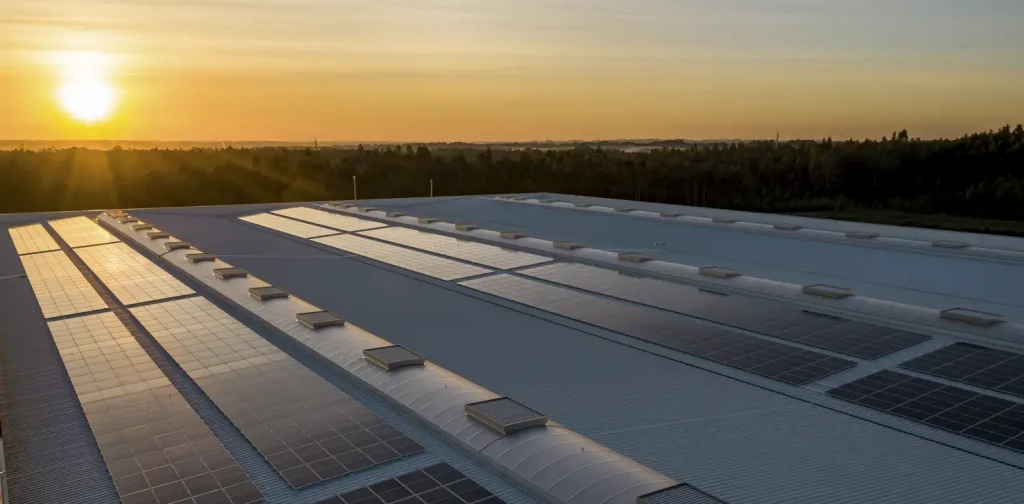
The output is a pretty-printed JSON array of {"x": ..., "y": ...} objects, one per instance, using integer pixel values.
[
  {"x": 774, "y": 360},
  {"x": 304, "y": 426}
]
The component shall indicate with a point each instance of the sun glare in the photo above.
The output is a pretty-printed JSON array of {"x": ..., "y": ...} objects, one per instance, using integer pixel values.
[{"x": 85, "y": 92}]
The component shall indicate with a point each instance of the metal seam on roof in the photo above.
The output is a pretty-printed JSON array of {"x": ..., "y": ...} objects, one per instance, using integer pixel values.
[{"x": 351, "y": 339}]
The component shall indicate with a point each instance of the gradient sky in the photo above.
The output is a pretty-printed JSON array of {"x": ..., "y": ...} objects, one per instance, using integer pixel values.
[{"x": 430, "y": 70}]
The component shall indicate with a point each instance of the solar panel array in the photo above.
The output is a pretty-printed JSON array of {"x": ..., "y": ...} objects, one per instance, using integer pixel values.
[
  {"x": 328, "y": 219},
  {"x": 980, "y": 366},
  {"x": 155, "y": 446},
  {"x": 59, "y": 286},
  {"x": 437, "y": 484},
  {"x": 774, "y": 360},
  {"x": 979, "y": 416},
  {"x": 81, "y": 232},
  {"x": 426, "y": 264},
  {"x": 130, "y": 276},
  {"x": 479, "y": 253},
  {"x": 32, "y": 239},
  {"x": 288, "y": 226},
  {"x": 305, "y": 427},
  {"x": 858, "y": 339}
]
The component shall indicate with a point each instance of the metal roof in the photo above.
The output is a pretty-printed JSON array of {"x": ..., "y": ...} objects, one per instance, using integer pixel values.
[{"x": 734, "y": 435}]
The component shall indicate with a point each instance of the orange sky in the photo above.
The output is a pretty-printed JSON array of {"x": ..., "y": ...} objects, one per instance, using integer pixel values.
[{"x": 475, "y": 70}]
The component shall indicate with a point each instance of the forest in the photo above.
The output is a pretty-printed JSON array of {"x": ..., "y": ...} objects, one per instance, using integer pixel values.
[{"x": 976, "y": 180}]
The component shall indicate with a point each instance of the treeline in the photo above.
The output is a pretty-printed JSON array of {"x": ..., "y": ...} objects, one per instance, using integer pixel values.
[{"x": 979, "y": 175}]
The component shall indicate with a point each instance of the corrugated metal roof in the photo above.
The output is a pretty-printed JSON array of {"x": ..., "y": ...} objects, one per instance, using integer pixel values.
[{"x": 738, "y": 441}]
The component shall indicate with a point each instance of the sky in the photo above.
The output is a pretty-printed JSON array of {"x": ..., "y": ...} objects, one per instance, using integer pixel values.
[{"x": 503, "y": 70}]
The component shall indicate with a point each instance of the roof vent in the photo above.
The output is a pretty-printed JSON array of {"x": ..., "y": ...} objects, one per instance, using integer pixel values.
[
  {"x": 465, "y": 227},
  {"x": 787, "y": 227},
  {"x": 509, "y": 235},
  {"x": 426, "y": 220},
  {"x": 670, "y": 215},
  {"x": 367, "y": 209},
  {"x": 228, "y": 273},
  {"x": 828, "y": 291},
  {"x": 393, "y": 357},
  {"x": 634, "y": 257},
  {"x": 127, "y": 219},
  {"x": 972, "y": 316},
  {"x": 546, "y": 201},
  {"x": 177, "y": 245},
  {"x": 946, "y": 244},
  {"x": 567, "y": 245},
  {"x": 114, "y": 213},
  {"x": 318, "y": 319},
  {"x": 505, "y": 415},
  {"x": 395, "y": 214},
  {"x": 582, "y": 205},
  {"x": 268, "y": 292},
  {"x": 723, "y": 220},
  {"x": 861, "y": 235},
  {"x": 623, "y": 209},
  {"x": 348, "y": 205},
  {"x": 154, "y": 235},
  {"x": 678, "y": 494},
  {"x": 197, "y": 257},
  {"x": 516, "y": 198},
  {"x": 718, "y": 272},
  {"x": 141, "y": 227}
]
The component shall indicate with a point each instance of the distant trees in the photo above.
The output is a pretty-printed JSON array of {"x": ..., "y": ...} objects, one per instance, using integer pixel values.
[{"x": 979, "y": 175}]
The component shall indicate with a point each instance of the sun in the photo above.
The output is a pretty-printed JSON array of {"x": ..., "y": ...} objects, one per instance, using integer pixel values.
[
  {"x": 85, "y": 92},
  {"x": 88, "y": 101}
]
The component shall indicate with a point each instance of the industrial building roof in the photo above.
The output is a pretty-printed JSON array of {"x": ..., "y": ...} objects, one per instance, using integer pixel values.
[{"x": 757, "y": 358}]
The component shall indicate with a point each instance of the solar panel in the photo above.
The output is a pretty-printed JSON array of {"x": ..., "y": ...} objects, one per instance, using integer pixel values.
[
  {"x": 155, "y": 446},
  {"x": 287, "y": 226},
  {"x": 305, "y": 427},
  {"x": 419, "y": 262},
  {"x": 328, "y": 219},
  {"x": 979, "y": 416},
  {"x": 32, "y": 239},
  {"x": 780, "y": 320},
  {"x": 81, "y": 232},
  {"x": 479, "y": 253},
  {"x": 439, "y": 484},
  {"x": 131, "y": 277},
  {"x": 980, "y": 366},
  {"x": 59, "y": 286},
  {"x": 778, "y": 361}
]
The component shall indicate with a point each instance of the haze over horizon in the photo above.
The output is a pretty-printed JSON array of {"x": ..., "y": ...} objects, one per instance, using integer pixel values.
[{"x": 486, "y": 70}]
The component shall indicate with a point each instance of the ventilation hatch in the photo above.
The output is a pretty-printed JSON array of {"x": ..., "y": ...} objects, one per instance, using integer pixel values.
[
  {"x": 624, "y": 209},
  {"x": 510, "y": 235},
  {"x": 828, "y": 291},
  {"x": 426, "y": 220},
  {"x": 177, "y": 245},
  {"x": 670, "y": 215},
  {"x": 465, "y": 227},
  {"x": 393, "y": 357},
  {"x": 367, "y": 209},
  {"x": 505, "y": 415},
  {"x": 227, "y": 273},
  {"x": 567, "y": 245},
  {"x": 972, "y": 316},
  {"x": 861, "y": 235},
  {"x": 154, "y": 235},
  {"x": 127, "y": 219},
  {"x": 318, "y": 319},
  {"x": 634, "y": 257},
  {"x": 787, "y": 227},
  {"x": 582, "y": 205},
  {"x": 395, "y": 214},
  {"x": 723, "y": 220},
  {"x": 197, "y": 257},
  {"x": 718, "y": 272},
  {"x": 946, "y": 244},
  {"x": 141, "y": 227},
  {"x": 268, "y": 292}
]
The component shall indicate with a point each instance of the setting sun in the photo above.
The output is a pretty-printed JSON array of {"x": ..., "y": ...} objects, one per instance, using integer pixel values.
[{"x": 85, "y": 93}]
